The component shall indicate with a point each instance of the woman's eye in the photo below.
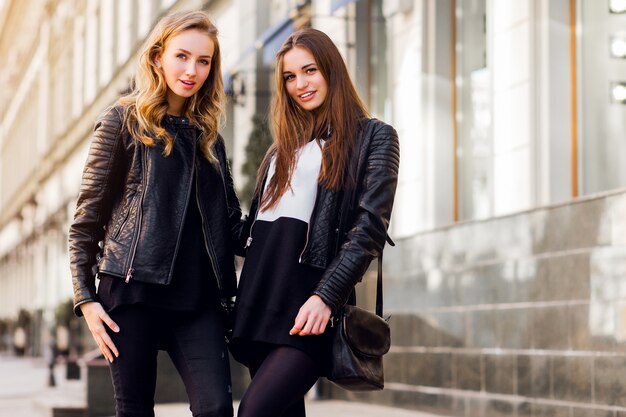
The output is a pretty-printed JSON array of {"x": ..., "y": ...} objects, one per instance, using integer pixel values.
[
  {"x": 289, "y": 77},
  {"x": 181, "y": 56},
  {"x": 205, "y": 62},
  {"x": 311, "y": 70}
]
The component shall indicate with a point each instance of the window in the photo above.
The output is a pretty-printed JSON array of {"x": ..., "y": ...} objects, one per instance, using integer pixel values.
[
  {"x": 473, "y": 112},
  {"x": 602, "y": 95},
  {"x": 371, "y": 57}
]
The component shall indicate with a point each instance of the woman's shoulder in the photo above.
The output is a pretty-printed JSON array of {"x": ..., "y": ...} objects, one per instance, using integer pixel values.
[
  {"x": 113, "y": 114},
  {"x": 377, "y": 129}
]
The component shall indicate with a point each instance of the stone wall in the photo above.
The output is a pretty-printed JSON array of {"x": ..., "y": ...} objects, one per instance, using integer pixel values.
[{"x": 522, "y": 315}]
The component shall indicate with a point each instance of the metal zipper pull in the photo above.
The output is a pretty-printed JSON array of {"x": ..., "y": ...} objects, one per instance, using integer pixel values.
[
  {"x": 129, "y": 275},
  {"x": 248, "y": 242}
]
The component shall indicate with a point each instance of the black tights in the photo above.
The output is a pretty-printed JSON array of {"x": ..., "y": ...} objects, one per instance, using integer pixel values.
[{"x": 280, "y": 380}]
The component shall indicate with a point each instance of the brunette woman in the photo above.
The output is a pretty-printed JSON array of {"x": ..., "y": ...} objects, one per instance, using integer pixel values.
[
  {"x": 153, "y": 222},
  {"x": 320, "y": 215}
]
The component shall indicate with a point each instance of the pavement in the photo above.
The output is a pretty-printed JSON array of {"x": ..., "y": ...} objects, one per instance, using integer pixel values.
[{"x": 24, "y": 392}]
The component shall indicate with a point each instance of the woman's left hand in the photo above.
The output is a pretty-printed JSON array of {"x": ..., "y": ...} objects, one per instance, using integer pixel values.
[{"x": 312, "y": 317}]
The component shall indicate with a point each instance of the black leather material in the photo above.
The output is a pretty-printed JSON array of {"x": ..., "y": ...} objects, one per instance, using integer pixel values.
[
  {"x": 132, "y": 203},
  {"x": 360, "y": 341},
  {"x": 365, "y": 332},
  {"x": 349, "y": 228},
  {"x": 355, "y": 226}
]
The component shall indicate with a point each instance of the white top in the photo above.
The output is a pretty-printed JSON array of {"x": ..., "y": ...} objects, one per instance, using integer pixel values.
[{"x": 298, "y": 201}]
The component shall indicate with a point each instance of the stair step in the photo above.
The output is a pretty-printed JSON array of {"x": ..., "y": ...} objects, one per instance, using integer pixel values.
[{"x": 77, "y": 411}]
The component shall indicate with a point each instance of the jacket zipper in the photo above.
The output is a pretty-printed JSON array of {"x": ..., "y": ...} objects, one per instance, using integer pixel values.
[
  {"x": 306, "y": 242},
  {"x": 258, "y": 208},
  {"x": 249, "y": 239},
  {"x": 308, "y": 225},
  {"x": 126, "y": 217},
  {"x": 131, "y": 270},
  {"x": 206, "y": 242}
]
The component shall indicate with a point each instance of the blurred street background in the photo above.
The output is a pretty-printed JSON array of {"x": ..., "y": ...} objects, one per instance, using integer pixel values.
[
  {"x": 24, "y": 392},
  {"x": 506, "y": 287}
]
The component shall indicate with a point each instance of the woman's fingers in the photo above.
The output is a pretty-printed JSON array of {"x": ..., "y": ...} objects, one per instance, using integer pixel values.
[
  {"x": 97, "y": 319},
  {"x": 312, "y": 317},
  {"x": 298, "y": 324},
  {"x": 109, "y": 346},
  {"x": 109, "y": 321}
]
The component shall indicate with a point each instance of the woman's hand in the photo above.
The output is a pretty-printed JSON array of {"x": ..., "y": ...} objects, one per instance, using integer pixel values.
[
  {"x": 312, "y": 317},
  {"x": 96, "y": 319}
]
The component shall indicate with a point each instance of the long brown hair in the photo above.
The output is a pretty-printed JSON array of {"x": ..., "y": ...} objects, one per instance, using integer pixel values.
[
  {"x": 147, "y": 102},
  {"x": 337, "y": 120}
]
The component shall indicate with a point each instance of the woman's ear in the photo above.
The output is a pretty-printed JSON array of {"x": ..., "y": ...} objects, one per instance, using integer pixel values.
[{"x": 157, "y": 62}]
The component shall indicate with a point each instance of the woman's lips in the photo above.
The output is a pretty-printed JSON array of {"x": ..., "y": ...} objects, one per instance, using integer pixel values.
[
  {"x": 309, "y": 95},
  {"x": 188, "y": 84}
]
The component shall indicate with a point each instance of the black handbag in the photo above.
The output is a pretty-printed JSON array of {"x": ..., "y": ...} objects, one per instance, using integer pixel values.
[{"x": 359, "y": 343}]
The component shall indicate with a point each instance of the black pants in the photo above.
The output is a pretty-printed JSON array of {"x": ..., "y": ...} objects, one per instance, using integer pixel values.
[{"x": 194, "y": 341}]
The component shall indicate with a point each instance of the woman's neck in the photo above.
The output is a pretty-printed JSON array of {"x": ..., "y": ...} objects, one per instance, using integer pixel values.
[{"x": 175, "y": 104}]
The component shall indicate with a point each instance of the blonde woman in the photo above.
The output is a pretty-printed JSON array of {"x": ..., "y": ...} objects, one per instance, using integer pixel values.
[{"x": 154, "y": 223}]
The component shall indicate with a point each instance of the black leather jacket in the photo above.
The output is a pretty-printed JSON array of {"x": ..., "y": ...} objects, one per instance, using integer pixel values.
[
  {"x": 348, "y": 229},
  {"x": 132, "y": 203}
]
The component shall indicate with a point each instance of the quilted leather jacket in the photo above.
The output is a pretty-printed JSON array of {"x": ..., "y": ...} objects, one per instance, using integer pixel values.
[
  {"x": 348, "y": 229},
  {"x": 132, "y": 204}
]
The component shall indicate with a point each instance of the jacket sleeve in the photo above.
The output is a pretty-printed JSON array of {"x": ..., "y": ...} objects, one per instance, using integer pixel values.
[
  {"x": 102, "y": 176},
  {"x": 366, "y": 234}
]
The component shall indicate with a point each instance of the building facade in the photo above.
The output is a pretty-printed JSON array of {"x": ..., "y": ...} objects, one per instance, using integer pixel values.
[{"x": 504, "y": 286}]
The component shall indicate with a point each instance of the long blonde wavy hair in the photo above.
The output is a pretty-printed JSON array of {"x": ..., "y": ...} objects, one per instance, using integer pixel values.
[{"x": 146, "y": 105}]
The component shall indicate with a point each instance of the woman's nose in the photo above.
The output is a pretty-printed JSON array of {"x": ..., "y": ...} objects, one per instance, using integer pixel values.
[
  {"x": 191, "y": 68},
  {"x": 301, "y": 82}
]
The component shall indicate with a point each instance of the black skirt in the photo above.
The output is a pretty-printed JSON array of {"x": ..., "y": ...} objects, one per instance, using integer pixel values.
[{"x": 272, "y": 288}]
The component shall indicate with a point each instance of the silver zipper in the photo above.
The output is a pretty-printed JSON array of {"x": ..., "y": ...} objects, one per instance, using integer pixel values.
[
  {"x": 249, "y": 239},
  {"x": 131, "y": 270},
  {"x": 306, "y": 242}
]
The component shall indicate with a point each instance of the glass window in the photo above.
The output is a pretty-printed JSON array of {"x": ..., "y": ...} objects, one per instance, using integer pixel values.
[
  {"x": 602, "y": 95},
  {"x": 473, "y": 116},
  {"x": 124, "y": 30},
  {"x": 372, "y": 57},
  {"x": 106, "y": 44}
]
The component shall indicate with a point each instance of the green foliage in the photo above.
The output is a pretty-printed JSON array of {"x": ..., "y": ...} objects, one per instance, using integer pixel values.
[
  {"x": 24, "y": 319},
  {"x": 64, "y": 313},
  {"x": 259, "y": 141}
]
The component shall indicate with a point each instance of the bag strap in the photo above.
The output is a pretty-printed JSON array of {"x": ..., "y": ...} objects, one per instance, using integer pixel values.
[{"x": 379, "y": 287}]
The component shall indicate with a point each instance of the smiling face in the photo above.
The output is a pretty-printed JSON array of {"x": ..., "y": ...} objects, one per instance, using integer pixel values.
[
  {"x": 304, "y": 82},
  {"x": 185, "y": 64}
]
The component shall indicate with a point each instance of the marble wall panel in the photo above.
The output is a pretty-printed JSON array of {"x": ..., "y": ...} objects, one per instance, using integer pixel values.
[
  {"x": 501, "y": 374},
  {"x": 550, "y": 328},
  {"x": 467, "y": 372},
  {"x": 534, "y": 376},
  {"x": 586, "y": 412},
  {"x": 515, "y": 328},
  {"x": 609, "y": 378},
  {"x": 546, "y": 410},
  {"x": 572, "y": 378}
]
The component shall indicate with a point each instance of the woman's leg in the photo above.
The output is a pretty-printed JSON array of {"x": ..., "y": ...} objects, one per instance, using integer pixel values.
[
  {"x": 134, "y": 371},
  {"x": 279, "y": 384},
  {"x": 198, "y": 349}
]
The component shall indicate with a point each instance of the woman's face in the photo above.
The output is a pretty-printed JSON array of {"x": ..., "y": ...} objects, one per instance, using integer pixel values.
[
  {"x": 303, "y": 80},
  {"x": 186, "y": 64}
]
